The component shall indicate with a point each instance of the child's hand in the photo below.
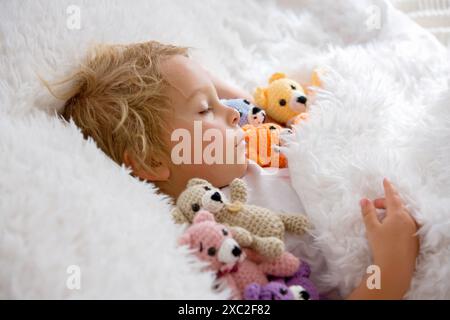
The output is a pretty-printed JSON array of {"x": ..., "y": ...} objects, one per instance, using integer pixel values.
[{"x": 393, "y": 240}]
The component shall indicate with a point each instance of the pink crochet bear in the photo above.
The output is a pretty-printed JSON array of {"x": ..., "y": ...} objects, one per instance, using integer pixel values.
[{"x": 214, "y": 244}]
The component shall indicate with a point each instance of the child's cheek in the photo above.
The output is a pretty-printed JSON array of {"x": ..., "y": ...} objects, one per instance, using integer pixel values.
[{"x": 217, "y": 129}]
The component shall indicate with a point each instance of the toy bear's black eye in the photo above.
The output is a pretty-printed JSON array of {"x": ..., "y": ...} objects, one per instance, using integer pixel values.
[
  {"x": 201, "y": 247},
  {"x": 240, "y": 114},
  {"x": 211, "y": 251},
  {"x": 305, "y": 295},
  {"x": 293, "y": 87},
  {"x": 225, "y": 232},
  {"x": 282, "y": 102},
  {"x": 283, "y": 291},
  {"x": 255, "y": 110},
  {"x": 195, "y": 207},
  {"x": 207, "y": 188},
  {"x": 246, "y": 101}
]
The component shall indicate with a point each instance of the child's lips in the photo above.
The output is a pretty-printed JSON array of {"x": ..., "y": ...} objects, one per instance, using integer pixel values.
[
  {"x": 240, "y": 137},
  {"x": 240, "y": 142}
]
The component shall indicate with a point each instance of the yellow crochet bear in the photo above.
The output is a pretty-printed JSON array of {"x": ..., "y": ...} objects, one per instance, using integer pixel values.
[{"x": 283, "y": 100}]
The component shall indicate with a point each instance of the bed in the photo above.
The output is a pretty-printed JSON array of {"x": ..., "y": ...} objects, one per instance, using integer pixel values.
[{"x": 74, "y": 225}]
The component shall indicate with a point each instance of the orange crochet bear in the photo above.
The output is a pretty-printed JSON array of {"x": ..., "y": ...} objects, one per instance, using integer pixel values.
[{"x": 262, "y": 142}]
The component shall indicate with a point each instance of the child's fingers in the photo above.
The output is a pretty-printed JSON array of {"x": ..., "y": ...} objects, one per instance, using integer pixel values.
[
  {"x": 369, "y": 214},
  {"x": 380, "y": 203},
  {"x": 411, "y": 218},
  {"x": 393, "y": 201}
]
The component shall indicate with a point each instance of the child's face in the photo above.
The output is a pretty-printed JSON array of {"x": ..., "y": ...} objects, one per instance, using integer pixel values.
[{"x": 196, "y": 104}]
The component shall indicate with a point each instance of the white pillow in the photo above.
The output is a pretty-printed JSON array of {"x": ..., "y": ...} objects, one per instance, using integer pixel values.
[{"x": 434, "y": 15}]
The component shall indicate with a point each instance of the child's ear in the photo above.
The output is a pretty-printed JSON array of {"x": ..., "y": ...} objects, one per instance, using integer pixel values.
[{"x": 160, "y": 172}]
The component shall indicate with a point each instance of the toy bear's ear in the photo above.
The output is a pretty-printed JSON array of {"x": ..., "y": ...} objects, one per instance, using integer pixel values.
[
  {"x": 178, "y": 216},
  {"x": 238, "y": 190},
  {"x": 185, "y": 239},
  {"x": 202, "y": 216},
  {"x": 316, "y": 76},
  {"x": 252, "y": 291},
  {"x": 260, "y": 97},
  {"x": 196, "y": 181},
  {"x": 303, "y": 271},
  {"x": 277, "y": 76}
]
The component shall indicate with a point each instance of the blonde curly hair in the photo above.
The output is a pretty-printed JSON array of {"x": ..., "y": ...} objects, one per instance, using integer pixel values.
[{"x": 115, "y": 97}]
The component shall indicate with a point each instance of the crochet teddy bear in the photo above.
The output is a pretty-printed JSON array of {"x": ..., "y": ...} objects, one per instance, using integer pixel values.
[
  {"x": 274, "y": 290},
  {"x": 249, "y": 113},
  {"x": 295, "y": 287},
  {"x": 262, "y": 144},
  {"x": 253, "y": 227},
  {"x": 299, "y": 283},
  {"x": 283, "y": 100},
  {"x": 213, "y": 243}
]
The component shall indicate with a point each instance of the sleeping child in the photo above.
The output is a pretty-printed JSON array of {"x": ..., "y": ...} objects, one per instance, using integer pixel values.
[{"x": 132, "y": 100}]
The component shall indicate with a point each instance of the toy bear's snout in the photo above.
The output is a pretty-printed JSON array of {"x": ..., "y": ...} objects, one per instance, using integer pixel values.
[
  {"x": 213, "y": 201},
  {"x": 299, "y": 293},
  {"x": 216, "y": 197},
  {"x": 229, "y": 251},
  {"x": 302, "y": 99},
  {"x": 236, "y": 251},
  {"x": 298, "y": 102}
]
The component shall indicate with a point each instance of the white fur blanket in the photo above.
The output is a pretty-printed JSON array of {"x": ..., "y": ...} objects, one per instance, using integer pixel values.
[
  {"x": 63, "y": 203},
  {"x": 384, "y": 111}
]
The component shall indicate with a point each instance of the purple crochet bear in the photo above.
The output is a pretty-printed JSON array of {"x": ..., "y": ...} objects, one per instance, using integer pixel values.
[
  {"x": 272, "y": 291},
  {"x": 300, "y": 284},
  {"x": 296, "y": 287}
]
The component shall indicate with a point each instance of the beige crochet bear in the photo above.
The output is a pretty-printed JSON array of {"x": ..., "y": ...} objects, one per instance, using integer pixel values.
[{"x": 254, "y": 227}]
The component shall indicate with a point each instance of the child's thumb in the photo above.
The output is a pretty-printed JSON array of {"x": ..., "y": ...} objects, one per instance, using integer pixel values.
[{"x": 369, "y": 214}]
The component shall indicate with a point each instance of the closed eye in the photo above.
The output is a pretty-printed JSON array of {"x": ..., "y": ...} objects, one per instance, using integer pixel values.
[{"x": 205, "y": 112}]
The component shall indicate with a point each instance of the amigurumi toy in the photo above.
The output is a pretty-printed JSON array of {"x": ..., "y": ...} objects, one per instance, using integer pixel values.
[
  {"x": 253, "y": 227},
  {"x": 262, "y": 144},
  {"x": 274, "y": 290},
  {"x": 299, "y": 283},
  {"x": 283, "y": 100},
  {"x": 213, "y": 243},
  {"x": 249, "y": 113}
]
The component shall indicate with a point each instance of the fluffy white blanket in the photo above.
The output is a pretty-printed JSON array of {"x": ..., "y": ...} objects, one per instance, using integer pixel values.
[
  {"x": 384, "y": 111},
  {"x": 63, "y": 203}
]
